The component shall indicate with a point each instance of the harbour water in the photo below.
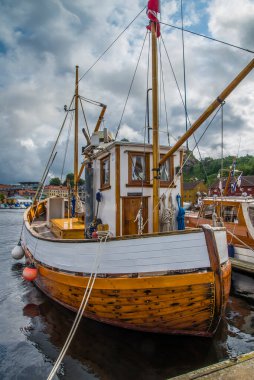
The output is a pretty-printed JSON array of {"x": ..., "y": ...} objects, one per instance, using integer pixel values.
[{"x": 33, "y": 330}]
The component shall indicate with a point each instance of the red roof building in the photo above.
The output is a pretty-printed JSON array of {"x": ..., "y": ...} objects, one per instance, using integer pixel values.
[{"x": 244, "y": 186}]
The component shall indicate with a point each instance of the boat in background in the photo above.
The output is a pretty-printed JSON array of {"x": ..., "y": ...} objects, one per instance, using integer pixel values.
[
  {"x": 20, "y": 204},
  {"x": 236, "y": 213},
  {"x": 150, "y": 274}
]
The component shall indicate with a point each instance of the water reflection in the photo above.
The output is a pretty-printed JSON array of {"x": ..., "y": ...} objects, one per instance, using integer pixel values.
[
  {"x": 113, "y": 353},
  {"x": 243, "y": 285},
  {"x": 34, "y": 329}
]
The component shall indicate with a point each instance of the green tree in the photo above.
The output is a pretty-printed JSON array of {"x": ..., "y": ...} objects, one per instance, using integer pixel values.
[
  {"x": 70, "y": 177},
  {"x": 55, "y": 181},
  {"x": 2, "y": 197}
]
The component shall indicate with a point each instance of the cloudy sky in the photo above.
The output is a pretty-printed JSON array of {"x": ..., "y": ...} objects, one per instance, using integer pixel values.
[{"x": 42, "y": 41}]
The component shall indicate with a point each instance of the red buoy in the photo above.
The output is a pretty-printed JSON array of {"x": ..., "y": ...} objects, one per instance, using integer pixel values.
[
  {"x": 94, "y": 235},
  {"x": 30, "y": 273}
]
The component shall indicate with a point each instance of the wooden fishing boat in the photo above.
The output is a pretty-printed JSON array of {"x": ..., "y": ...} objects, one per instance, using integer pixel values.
[{"x": 151, "y": 274}]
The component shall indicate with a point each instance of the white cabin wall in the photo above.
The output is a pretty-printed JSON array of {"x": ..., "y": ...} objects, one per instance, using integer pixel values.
[{"x": 107, "y": 207}]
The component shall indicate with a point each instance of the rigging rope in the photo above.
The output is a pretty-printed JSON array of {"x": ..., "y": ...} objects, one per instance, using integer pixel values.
[
  {"x": 237, "y": 238},
  {"x": 184, "y": 106},
  {"x": 67, "y": 144},
  {"x": 209, "y": 38},
  {"x": 112, "y": 43},
  {"x": 184, "y": 77},
  {"x": 182, "y": 166},
  {"x": 146, "y": 118},
  {"x": 43, "y": 178},
  {"x": 164, "y": 96},
  {"x": 126, "y": 101},
  {"x": 94, "y": 102},
  {"x": 82, "y": 307}
]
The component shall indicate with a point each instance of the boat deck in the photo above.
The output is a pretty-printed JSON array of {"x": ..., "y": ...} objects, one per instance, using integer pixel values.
[{"x": 60, "y": 228}]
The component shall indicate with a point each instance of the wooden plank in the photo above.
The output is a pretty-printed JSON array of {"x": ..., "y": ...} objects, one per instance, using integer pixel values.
[
  {"x": 193, "y": 303},
  {"x": 130, "y": 208},
  {"x": 131, "y": 283},
  {"x": 171, "y": 297},
  {"x": 202, "y": 314}
]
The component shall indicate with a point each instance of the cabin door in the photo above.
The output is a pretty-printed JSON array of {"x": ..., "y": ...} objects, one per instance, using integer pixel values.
[{"x": 130, "y": 207}]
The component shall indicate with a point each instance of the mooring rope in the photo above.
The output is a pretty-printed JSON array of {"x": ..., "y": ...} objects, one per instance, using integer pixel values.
[
  {"x": 82, "y": 306},
  {"x": 237, "y": 238}
]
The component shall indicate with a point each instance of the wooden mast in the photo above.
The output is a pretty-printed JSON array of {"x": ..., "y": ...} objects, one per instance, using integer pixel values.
[
  {"x": 76, "y": 137},
  {"x": 155, "y": 127}
]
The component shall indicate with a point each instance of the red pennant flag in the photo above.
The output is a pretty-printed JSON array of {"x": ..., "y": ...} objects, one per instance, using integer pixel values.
[{"x": 153, "y": 7}]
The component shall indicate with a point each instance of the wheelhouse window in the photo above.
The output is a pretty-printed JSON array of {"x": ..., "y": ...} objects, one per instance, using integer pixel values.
[
  {"x": 138, "y": 164},
  {"x": 105, "y": 172},
  {"x": 167, "y": 172}
]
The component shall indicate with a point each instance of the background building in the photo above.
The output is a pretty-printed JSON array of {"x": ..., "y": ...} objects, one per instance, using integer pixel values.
[
  {"x": 56, "y": 191},
  {"x": 193, "y": 190},
  {"x": 243, "y": 186}
]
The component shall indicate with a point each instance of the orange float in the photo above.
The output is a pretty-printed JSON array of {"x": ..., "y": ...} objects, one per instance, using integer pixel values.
[{"x": 30, "y": 273}]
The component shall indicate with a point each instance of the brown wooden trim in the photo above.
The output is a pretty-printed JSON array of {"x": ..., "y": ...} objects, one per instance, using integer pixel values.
[
  {"x": 135, "y": 184},
  {"x": 104, "y": 186},
  {"x": 216, "y": 267},
  {"x": 146, "y": 182},
  {"x": 117, "y": 189},
  {"x": 135, "y": 196}
]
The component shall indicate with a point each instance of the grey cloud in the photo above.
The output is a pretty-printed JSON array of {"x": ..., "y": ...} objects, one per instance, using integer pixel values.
[{"x": 45, "y": 40}]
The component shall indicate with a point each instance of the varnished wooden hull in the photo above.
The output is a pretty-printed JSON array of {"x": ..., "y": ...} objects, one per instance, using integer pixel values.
[
  {"x": 173, "y": 304},
  {"x": 175, "y": 282}
]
